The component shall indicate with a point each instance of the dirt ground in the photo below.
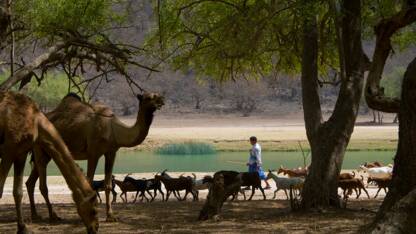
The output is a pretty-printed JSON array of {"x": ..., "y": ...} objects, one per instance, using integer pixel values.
[{"x": 181, "y": 217}]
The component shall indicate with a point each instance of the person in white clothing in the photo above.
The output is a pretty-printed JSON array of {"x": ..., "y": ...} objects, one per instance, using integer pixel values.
[{"x": 254, "y": 162}]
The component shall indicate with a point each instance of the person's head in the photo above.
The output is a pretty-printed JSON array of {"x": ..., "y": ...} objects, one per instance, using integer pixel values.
[{"x": 253, "y": 140}]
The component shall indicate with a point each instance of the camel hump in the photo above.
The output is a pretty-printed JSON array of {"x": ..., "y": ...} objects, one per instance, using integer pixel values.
[
  {"x": 73, "y": 95},
  {"x": 102, "y": 110}
]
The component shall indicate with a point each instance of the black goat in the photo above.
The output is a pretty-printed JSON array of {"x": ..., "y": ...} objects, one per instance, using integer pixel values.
[
  {"x": 234, "y": 180},
  {"x": 140, "y": 185},
  {"x": 252, "y": 179},
  {"x": 99, "y": 185},
  {"x": 176, "y": 184},
  {"x": 155, "y": 185}
]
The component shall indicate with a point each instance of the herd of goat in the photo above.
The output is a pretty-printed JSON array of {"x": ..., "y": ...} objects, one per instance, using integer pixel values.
[{"x": 378, "y": 175}]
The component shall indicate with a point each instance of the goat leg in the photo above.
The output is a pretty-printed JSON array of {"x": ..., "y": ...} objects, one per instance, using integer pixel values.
[
  {"x": 365, "y": 190},
  {"x": 262, "y": 191},
  {"x": 167, "y": 195},
  {"x": 163, "y": 195},
  {"x": 377, "y": 192},
  {"x": 98, "y": 195},
  {"x": 151, "y": 196},
  {"x": 137, "y": 193},
  {"x": 143, "y": 194}
]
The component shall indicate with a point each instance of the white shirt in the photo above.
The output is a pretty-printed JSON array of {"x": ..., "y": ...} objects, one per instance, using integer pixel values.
[{"x": 255, "y": 155}]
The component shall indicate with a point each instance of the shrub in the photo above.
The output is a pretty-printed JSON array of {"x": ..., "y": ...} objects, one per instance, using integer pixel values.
[{"x": 187, "y": 148}]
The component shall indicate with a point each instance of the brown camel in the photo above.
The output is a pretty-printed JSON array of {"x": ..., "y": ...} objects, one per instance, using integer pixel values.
[
  {"x": 91, "y": 131},
  {"x": 24, "y": 128}
]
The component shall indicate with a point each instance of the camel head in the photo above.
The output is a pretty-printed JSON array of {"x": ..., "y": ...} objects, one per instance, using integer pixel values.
[
  {"x": 153, "y": 101},
  {"x": 88, "y": 212}
]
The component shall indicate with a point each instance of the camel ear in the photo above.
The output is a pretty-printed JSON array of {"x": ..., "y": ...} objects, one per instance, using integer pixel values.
[{"x": 140, "y": 97}]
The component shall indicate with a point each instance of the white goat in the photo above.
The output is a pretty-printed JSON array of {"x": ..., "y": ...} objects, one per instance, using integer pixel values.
[
  {"x": 377, "y": 172},
  {"x": 285, "y": 183},
  {"x": 197, "y": 185}
]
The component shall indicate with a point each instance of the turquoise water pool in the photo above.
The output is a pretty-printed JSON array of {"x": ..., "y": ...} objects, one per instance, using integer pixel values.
[{"x": 131, "y": 161}]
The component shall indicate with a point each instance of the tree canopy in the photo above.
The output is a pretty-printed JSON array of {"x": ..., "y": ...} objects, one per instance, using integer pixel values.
[
  {"x": 75, "y": 36},
  {"x": 232, "y": 39}
]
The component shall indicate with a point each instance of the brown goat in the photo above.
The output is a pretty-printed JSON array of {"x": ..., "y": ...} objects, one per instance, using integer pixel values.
[
  {"x": 300, "y": 172},
  {"x": 352, "y": 184},
  {"x": 346, "y": 176},
  {"x": 382, "y": 183},
  {"x": 373, "y": 164}
]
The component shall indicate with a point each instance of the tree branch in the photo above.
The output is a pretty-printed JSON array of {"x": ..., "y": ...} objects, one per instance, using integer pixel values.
[
  {"x": 310, "y": 87},
  {"x": 52, "y": 55},
  {"x": 374, "y": 94}
]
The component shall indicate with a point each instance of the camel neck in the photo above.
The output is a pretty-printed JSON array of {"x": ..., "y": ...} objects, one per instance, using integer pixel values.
[{"x": 126, "y": 136}]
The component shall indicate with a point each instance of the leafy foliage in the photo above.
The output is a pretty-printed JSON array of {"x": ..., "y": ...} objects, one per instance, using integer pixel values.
[
  {"x": 229, "y": 39},
  {"x": 392, "y": 82},
  {"x": 52, "y": 18},
  {"x": 232, "y": 39},
  {"x": 50, "y": 93}
]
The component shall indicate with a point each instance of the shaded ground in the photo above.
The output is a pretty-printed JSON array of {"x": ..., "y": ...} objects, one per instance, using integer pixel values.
[{"x": 180, "y": 217}]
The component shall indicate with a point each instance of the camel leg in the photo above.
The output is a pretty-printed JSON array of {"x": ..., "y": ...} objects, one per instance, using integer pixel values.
[
  {"x": 92, "y": 165},
  {"x": 114, "y": 195},
  {"x": 109, "y": 163},
  {"x": 19, "y": 166},
  {"x": 41, "y": 162},
  {"x": 5, "y": 165},
  {"x": 30, "y": 186}
]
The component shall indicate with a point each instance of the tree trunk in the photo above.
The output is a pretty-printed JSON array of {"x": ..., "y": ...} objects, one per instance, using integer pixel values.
[
  {"x": 397, "y": 214},
  {"x": 4, "y": 21},
  {"x": 329, "y": 140},
  {"x": 215, "y": 199}
]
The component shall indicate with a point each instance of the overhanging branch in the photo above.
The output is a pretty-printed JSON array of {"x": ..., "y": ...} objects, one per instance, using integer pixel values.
[{"x": 374, "y": 94}]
